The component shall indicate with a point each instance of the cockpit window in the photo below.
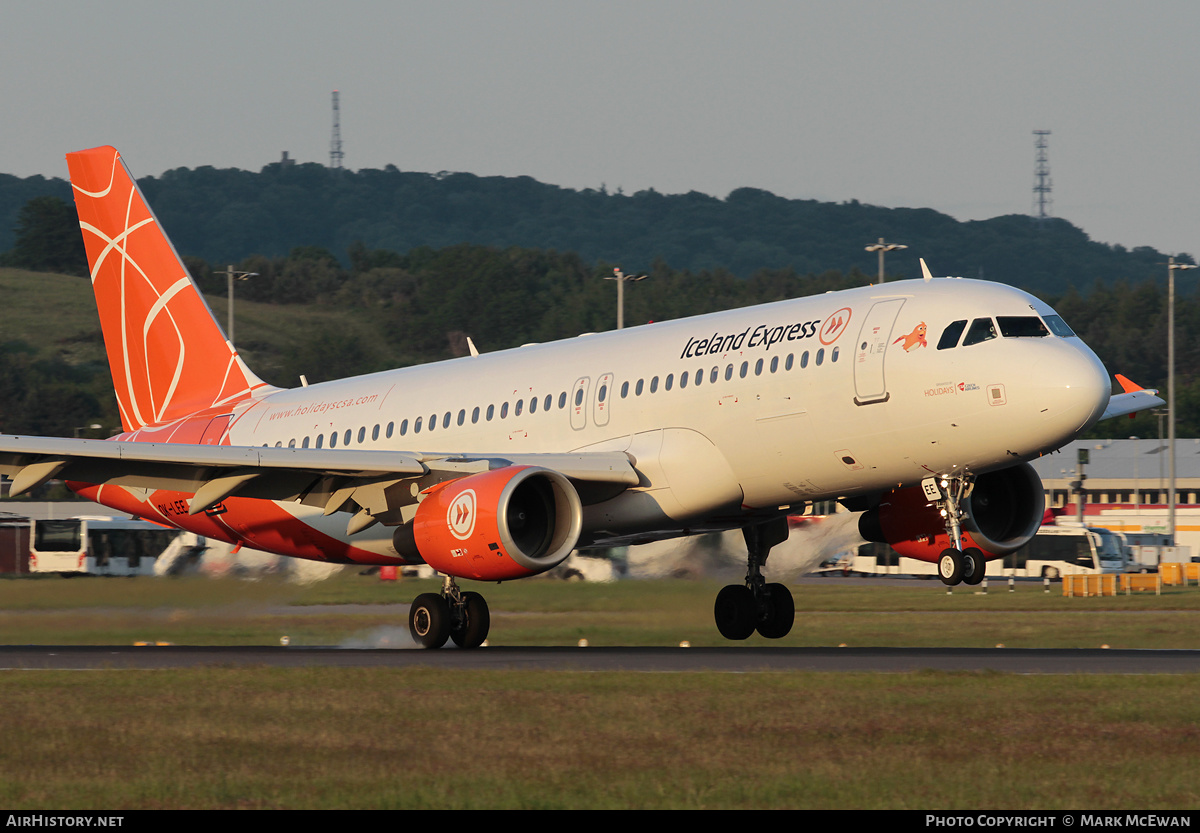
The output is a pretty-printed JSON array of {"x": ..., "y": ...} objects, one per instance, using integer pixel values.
[
  {"x": 1021, "y": 326},
  {"x": 982, "y": 329},
  {"x": 1058, "y": 326},
  {"x": 951, "y": 334}
]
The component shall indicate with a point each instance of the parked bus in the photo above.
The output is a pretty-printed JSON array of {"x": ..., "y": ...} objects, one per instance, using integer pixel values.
[
  {"x": 1055, "y": 551},
  {"x": 99, "y": 545}
]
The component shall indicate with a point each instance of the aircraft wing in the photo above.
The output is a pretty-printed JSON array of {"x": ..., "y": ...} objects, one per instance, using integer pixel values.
[{"x": 320, "y": 477}]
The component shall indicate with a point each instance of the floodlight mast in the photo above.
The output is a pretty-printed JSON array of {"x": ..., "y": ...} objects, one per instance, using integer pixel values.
[{"x": 883, "y": 248}]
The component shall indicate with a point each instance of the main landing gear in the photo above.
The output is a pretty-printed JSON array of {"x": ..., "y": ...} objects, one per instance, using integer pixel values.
[
  {"x": 741, "y": 609},
  {"x": 463, "y": 617},
  {"x": 955, "y": 564}
]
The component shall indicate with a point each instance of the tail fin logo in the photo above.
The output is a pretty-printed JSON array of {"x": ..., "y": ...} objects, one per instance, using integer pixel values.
[{"x": 167, "y": 354}]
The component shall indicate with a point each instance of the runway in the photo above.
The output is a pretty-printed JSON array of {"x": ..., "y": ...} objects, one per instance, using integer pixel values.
[{"x": 646, "y": 660}]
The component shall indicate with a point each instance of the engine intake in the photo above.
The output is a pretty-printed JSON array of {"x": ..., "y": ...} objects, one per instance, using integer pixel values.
[{"x": 508, "y": 523}]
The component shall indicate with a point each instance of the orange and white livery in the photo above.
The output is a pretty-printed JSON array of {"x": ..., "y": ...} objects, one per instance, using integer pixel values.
[{"x": 496, "y": 466}]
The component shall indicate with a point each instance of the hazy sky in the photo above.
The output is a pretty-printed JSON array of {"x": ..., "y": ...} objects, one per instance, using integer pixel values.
[{"x": 923, "y": 104}]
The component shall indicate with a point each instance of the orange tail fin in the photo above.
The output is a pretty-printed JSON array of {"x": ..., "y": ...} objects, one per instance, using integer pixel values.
[{"x": 168, "y": 356}]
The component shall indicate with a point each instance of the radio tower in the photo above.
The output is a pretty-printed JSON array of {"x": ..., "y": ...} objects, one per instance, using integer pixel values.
[
  {"x": 1041, "y": 178},
  {"x": 335, "y": 145}
]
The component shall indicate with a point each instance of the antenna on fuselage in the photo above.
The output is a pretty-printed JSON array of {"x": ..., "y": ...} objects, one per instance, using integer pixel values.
[{"x": 925, "y": 270}]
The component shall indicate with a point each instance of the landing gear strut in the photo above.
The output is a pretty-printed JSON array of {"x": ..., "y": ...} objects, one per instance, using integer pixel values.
[
  {"x": 955, "y": 564},
  {"x": 741, "y": 609},
  {"x": 462, "y": 617}
]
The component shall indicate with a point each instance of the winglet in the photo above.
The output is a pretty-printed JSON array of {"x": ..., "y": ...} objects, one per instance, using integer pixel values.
[
  {"x": 925, "y": 271},
  {"x": 1126, "y": 384}
]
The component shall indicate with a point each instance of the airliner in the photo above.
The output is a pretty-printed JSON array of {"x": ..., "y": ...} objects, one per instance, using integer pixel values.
[{"x": 916, "y": 403}]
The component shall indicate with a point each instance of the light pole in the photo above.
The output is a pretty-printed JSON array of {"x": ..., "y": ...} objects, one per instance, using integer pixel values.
[
  {"x": 620, "y": 277},
  {"x": 882, "y": 248},
  {"x": 1171, "y": 267},
  {"x": 241, "y": 276}
]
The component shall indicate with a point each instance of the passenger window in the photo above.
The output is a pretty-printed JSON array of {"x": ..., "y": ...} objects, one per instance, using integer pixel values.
[
  {"x": 403, "y": 429},
  {"x": 304, "y": 444},
  {"x": 699, "y": 376},
  {"x": 333, "y": 439},
  {"x": 491, "y": 411},
  {"x": 392, "y": 425},
  {"x": 446, "y": 420},
  {"x": 475, "y": 415},
  {"x": 654, "y": 385},
  {"x": 504, "y": 410},
  {"x": 549, "y": 401},
  {"x": 362, "y": 434},
  {"x": 712, "y": 377},
  {"x": 637, "y": 389},
  {"x": 462, "y": 416},
  {"x": 774, "y": 363},
  {"x": 982, "y": 329},
  {"x": 417, "y": 425},
  {"x": 683, "y": 380},
  {"x": 601, "y": 396},
  {"x": 787, "y": 363},
  {"x": 432, "y": 421},
  {"x": 744, "y": 370},
  {"x": 375, "y": 432},
  {"x": 562, "y": 398},
  {"x": 579, "y": 395},
  {"x": 728, "y": 372},
  {"x": 624, "y": 389},
  {"x": 533, "y": 404},
  {"x": 279, "y": 443},
  {"x": 1021, "y": 326},
  {"x": 758, "y": 366},
  {"x": 820, "y": 357},
  {"x": 834, "y": 355},
  {"x": 951, "y": 334},
  {"x": 346, "y": 438},
  {"x": 670, "y": 380},
  {"x": 320, "y": 440}
]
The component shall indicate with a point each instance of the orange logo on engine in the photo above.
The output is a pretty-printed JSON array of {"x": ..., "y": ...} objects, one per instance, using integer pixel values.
[
  {"x": 460, "y": 516},
  {"x": 835, "y": 325},
  {"x": 914, "y": 339}
]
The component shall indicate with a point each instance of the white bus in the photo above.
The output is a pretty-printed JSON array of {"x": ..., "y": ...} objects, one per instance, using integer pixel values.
[
  {"x": 1054, "y": 552},
  {"x": 99, "y": 545}
]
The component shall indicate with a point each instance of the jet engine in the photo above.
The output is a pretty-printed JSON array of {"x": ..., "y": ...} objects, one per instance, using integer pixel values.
[
  {"x": 496, "y": 525},
  {"x": 1002, "y": 512}
]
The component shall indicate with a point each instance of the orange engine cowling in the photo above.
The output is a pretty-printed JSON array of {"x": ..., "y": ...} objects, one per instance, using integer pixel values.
[
  {"x": 1002, "y": 513},
  {"x": 508, "y": 523}
]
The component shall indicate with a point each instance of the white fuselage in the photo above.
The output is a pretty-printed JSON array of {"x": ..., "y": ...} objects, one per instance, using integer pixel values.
[{"x": 831, "y": 396}]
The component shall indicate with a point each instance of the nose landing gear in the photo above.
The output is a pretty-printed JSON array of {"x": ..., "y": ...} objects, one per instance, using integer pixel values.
[{"x": 956, "y": 564}]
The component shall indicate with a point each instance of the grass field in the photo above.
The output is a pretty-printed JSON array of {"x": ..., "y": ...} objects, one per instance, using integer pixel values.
[{"x": 429, "y": 738}]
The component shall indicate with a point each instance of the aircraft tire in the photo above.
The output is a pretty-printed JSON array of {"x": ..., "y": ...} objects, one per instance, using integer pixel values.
[
  {"x": 429, "y": 620},
  {"x": 781, "y": 612},
  {"x": 950, "y": 567},
  {"x": 734, "y": 612},
  {"x": 477, "y": 620},
  {"x": 974, "y": 565}
]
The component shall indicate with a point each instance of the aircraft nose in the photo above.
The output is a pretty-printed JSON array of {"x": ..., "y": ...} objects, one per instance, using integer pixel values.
[{"x": 1075, "y": 387}]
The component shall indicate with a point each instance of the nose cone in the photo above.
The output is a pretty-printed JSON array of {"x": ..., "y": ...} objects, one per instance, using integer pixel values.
[{"x": 1074, "y": 387}]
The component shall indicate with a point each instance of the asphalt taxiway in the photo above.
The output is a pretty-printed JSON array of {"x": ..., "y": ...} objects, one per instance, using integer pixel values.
[{"x": 732, "y": 659}]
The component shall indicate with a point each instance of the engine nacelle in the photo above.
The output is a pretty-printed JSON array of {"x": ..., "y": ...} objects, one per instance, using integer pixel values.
[
  {"x": 507, "y": 523},
  {"x": 1002, "y": 513}
]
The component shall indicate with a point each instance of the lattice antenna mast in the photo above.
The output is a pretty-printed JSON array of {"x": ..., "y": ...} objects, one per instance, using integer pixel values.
[
  {"x": 335, "y": 145},
  {"x": 1041, "y": 177}
]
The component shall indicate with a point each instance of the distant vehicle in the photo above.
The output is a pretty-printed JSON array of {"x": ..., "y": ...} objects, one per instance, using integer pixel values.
[
  {"x": 1055, "y": 551},
  {"x": 99, "y": 545}
]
